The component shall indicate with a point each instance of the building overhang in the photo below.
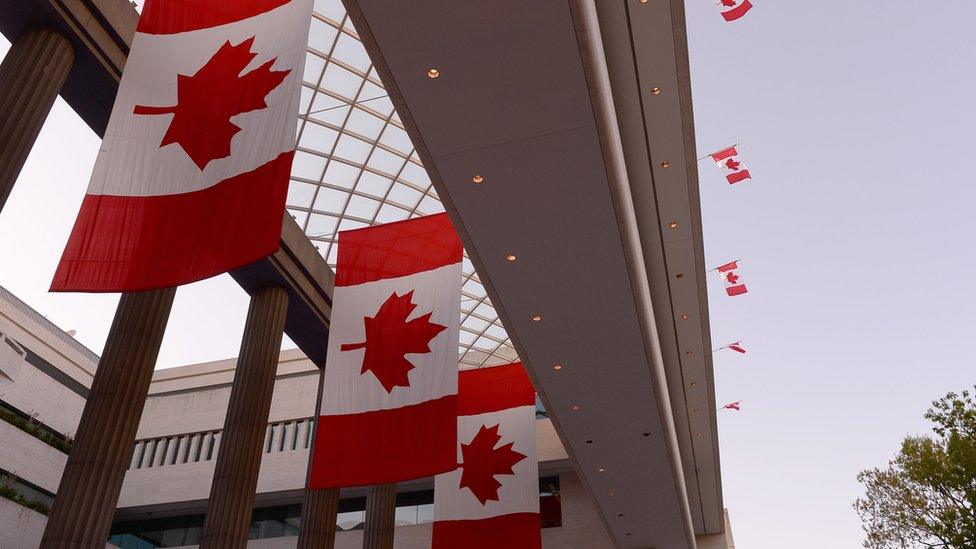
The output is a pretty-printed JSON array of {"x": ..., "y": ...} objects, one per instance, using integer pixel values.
[{"x": 541, "y": 101}]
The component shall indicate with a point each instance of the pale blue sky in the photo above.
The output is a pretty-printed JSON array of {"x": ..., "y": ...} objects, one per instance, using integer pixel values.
[{"x": 854, "y": 118}]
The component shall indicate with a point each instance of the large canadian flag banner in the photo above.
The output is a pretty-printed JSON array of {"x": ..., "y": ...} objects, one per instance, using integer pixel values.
[
  {"x": 191, "y": 177},
  {"x": 389, "y": 399},
  {"x": 492, "y": 499}
]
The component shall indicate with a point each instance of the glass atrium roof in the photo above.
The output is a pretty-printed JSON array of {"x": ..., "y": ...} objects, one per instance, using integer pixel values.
[{"x": 356, "y": 166}]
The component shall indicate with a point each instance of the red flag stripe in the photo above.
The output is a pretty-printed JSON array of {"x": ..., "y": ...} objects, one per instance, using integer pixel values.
[
  {"x": 736, "y": 290},
  {"x": 396, "y": 249},
  {"x": 735, "y": 347},
  {"x": 734, "y": 178},
  {"x": 728, "y": 267},
  {"x": 738, "y": 11},
  {"x": 173, "y": 16},
  {"x": 385, "y": 445},
  {"x": 144, "y": 243},
  {"x": 515, "y": 531},
  {"x": 723, "y": 154},
  {"x": 492, "y": 389}
]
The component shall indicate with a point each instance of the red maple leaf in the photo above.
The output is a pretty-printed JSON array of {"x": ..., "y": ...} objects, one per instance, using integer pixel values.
[
  {"x": 482, "y": 461},
  {"x": 389, "y": 337},
  {"x": 732, "y": 164},
  {"x": 732, "y": 277},
  {"x": 207, "y": 100},
  {"x": 729, "y": 3}
]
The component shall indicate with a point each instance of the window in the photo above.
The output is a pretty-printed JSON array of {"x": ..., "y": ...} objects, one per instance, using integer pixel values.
[{"x": 285, "y": 520}]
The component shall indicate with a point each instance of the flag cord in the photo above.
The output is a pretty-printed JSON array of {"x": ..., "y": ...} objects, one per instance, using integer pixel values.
[{"x": 707, "y": 155}]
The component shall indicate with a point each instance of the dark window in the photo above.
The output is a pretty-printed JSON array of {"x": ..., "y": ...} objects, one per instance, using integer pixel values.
[
  {"x": 285, "y": 520},
  {"x": 550, "y": 508}
]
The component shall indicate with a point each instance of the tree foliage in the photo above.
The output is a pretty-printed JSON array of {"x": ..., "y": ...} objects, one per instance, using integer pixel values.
[{"x": 926, "y": 496}]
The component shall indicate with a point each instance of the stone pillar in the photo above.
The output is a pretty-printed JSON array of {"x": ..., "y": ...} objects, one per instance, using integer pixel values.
[
  {"x": 89, "y": 491},
  {"x": 380, "y": 515},
  {"x": 319, "y": 511},
  {"x": 31, "y": 77},
  {"x": 319, "y": 507},
  {"x": 228, "y": 520}
]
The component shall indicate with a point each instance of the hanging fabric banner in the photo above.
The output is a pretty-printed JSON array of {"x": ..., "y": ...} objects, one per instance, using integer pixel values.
[
  {"x": 492, "y": 499},
  {"x": 389, "y": 400},
  {"x": 192, "y": 174}
]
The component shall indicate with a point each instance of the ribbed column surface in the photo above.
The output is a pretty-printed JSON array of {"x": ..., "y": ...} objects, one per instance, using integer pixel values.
[
  {"x": 228, "y": 520},
  {"x": 89, "y": 491},
  {"x": 380, "y": 514},
  {"x": 319, "y": 510},
  {"x": 31, "y": 77}
]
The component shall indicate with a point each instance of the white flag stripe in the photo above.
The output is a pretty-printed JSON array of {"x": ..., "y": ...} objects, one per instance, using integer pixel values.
[
  {"x": 515, "y": 495},
  {"x": 150, "y": 80},
  {"x": 347, "y": 391}
]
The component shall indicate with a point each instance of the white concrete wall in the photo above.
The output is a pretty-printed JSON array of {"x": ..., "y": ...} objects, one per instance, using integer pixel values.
[
  {"x": 30, "y": 458},
  {"x": 20, "y": 527}
]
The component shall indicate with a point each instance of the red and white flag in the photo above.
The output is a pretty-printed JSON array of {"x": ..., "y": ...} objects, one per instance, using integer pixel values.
[
  {"x": 730, "y": 162},
  {"x": 492, "y": 499},
  {"x": 737, "y": 406},
  {"x": 191, "y": 177},
  {"x": 734, "y": 9},
  {"x": 737, "y": 347},
  {"x": 730, "y": 275},
  {"x": 389, "y": 399}
]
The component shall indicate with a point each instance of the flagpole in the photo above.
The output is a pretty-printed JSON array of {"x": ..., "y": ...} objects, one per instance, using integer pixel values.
[
  {"x": 707, "y": 155},
  {"x": 722, "y": 265}
]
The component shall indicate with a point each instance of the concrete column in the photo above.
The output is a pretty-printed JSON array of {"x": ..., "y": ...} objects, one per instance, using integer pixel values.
[
  {"x": 89, "y": 491},
  {"x": 31, "y": 77},
  {"x": 319, "y": 507},
  {"x": 380, "y": 514},
  {"x": 319, "y": 511},
  {"x": 228, "y": 520}
]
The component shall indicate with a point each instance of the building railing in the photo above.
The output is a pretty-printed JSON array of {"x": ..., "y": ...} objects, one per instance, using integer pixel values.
[{"x": 281, "y": 436}]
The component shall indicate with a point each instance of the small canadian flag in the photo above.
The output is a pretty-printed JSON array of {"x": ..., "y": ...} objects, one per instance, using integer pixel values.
[
  {"x": 737, "y": 347},
  {"x": 734, "y": 9},
  {"x": 730, "y": 162},
  {"x": 730, "y": 275},
  {"x": 737, "y": 406}
]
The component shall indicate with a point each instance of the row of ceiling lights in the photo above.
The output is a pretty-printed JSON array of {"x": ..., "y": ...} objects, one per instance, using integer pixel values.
[{"x": 434, "y": 73}]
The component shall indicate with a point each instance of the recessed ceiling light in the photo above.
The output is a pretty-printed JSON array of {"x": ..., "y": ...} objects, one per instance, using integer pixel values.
[
  {"x": 654, "y": 90},
  {"x": 511, "y": 257},
  {"x": 478, "y": 179},
  {"x": 611, "y": 493},
  {"x": 673, "y": 224},
  {"x": 557, "y": 367},
  {"x": 684, "y": 317},
  {"x": 693, "y": 384},
  {"x": 690, "y": 353},
  {"x": 575, "y": 407},
  {"x": 536, "y": 318},
  {"x": 433, "y": 73},
  {"x": 665, "y": 164},
  {"x": 679, "y": 275},
  {"x": 601, "y": 469}
]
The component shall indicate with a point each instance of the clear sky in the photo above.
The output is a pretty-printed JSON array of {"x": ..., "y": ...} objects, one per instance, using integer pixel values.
[{"x": 855, "y": 121}]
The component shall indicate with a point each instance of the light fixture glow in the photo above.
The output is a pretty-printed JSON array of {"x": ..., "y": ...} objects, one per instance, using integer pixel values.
[
  {"x": 478, "y": 179},
  {"x": 511, "y": 257},
  {"x": 575, "y": 407},
  {"x": 601, "y": 469},
  {"x": 536, "y": 318},
  {"x": 684, "y": 317},
  {"x": 673, "y": 224},
  {"x": 433, "y": 73},
  {"x": 557, "y": 367},
  {"x": 655, "y": 90}
]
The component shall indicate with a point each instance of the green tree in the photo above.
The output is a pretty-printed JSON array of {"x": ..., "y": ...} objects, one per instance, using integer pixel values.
[{"x": 926, "y": 496}]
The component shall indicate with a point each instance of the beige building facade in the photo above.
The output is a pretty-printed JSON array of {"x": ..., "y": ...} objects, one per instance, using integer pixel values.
[{"x": 44, "y": 378}]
